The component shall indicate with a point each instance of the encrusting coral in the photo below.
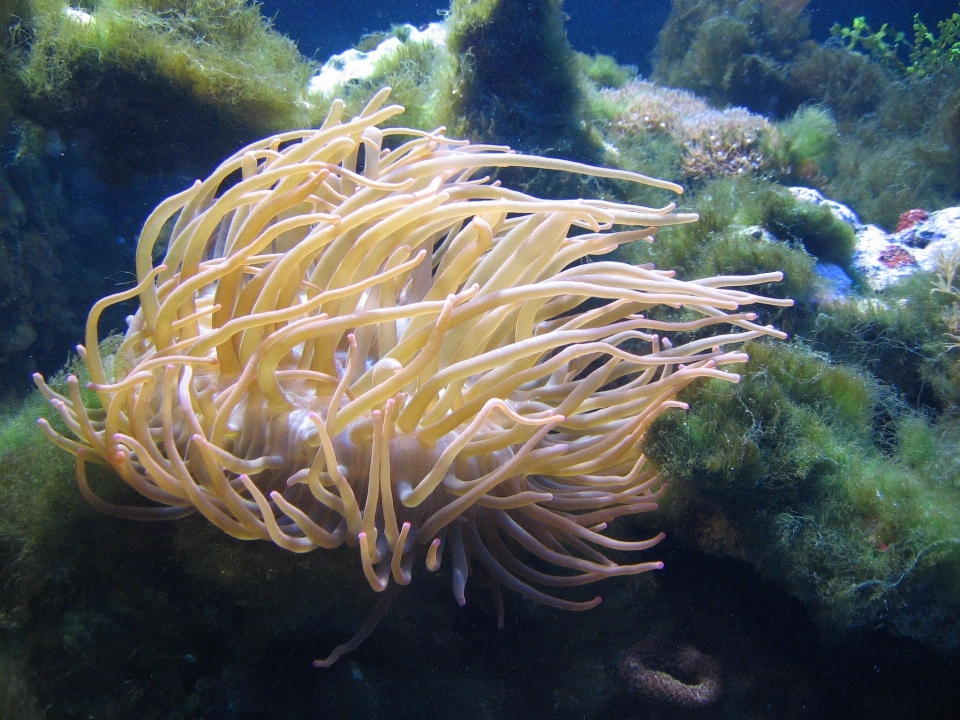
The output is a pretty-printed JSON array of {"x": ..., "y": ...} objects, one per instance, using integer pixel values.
[
  {"x": 353, "y": 338},
  {"x": 712, "y": 143}
]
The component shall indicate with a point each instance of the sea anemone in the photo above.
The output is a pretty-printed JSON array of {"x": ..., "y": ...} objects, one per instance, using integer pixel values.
[{"x": 352, "y": 338}]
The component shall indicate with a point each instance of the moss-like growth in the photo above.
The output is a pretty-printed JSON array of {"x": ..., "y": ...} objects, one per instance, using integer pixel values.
[
  {"x": 150, "y": 84},
  {"x": 731, "y": 51},
  {"x": 946, "y": 286},
  {"x": 371, "y": 40},
  {"x": 813, "y": 226},
  {"x": 900, "y": 118},
  {"x": 39, "y": 495},
  {"x": 831, "y": 487},
  {"x": 737, "y": 204},
  {"x": 897, "y": 335},
  {"x": 848, "y": 83},
  {"x": 419, "y": 73},
  {"x": 781, "y": 434},
  {"x": 517, "y": 78},
  {"x": 903, "y": 157},
  {"x": 604, "y": 71},
  {"x": 809, "y": 142},
  {"x": 10, "y": 13}
]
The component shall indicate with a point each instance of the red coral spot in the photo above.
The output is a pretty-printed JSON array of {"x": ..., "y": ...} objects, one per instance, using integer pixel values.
[
  {"x": 895, "y": 256},
  {"x": 911, "y": 218}
]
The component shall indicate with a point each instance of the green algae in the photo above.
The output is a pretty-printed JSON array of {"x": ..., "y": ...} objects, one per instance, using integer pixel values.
[
  {"x": 222, "y": 50},
  {"x": 604, "y": 71},
  {"x": 171, "y": 79},
  {"x": 832, "y": 466},
  {"x": 815, "y": 227},
  {"x": 37, "y": 479},
  {"x": 517, "y": 80},
  {"x": 899, "y": 118},
  {"x": 732, "y": 51},
  {"x": 929, "y": 53},
  {"x": 419, "y": 74},
  {"x": 897, "y": 336},
  {"x": 810, "y": 140},
  {"x": 833, "y": 487}
]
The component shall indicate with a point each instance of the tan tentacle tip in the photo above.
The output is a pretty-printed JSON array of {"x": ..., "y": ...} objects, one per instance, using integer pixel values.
[
  {"x": 375, "y": 581},
  {"x": 433, "y": 555}
]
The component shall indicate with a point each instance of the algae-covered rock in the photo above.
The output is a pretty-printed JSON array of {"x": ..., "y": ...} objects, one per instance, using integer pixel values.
[
  {"x": 830, "y": 485},
  {"x": 152, "y": 85},
  {"x": 517, "y": 78},
  {"x": 733, "y": 52},
  {"x": 415, "y": 63}
]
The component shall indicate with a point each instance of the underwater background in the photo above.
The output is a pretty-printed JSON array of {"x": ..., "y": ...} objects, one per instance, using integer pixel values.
[{"x": 812, "y": 559}]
